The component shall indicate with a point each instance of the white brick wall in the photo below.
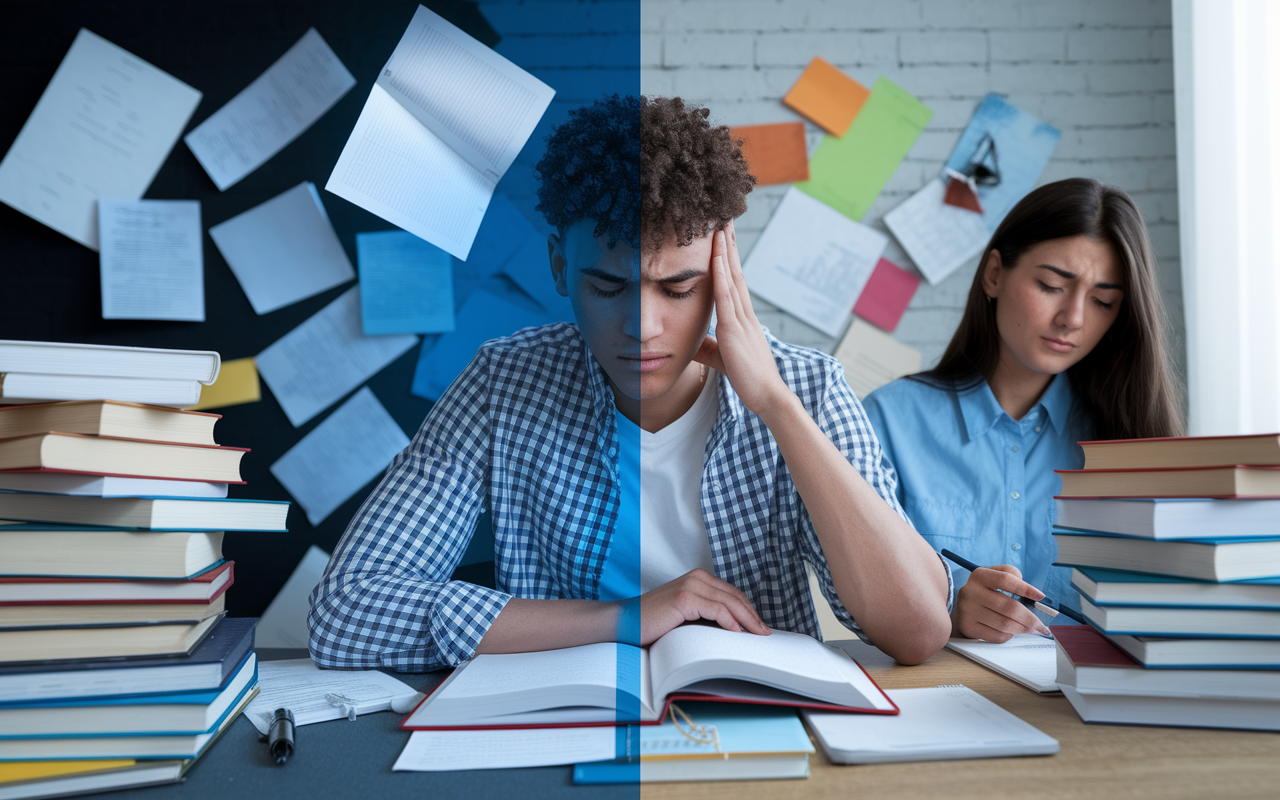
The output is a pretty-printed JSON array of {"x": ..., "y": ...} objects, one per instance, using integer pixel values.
[{"x": 1100, "y": 70}]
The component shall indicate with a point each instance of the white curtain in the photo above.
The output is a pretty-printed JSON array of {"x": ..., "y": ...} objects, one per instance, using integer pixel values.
[{"x": 1227, "y": 90}]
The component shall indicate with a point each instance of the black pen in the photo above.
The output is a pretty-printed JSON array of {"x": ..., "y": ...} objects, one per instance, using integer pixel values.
[{"x": 1046, "y": 605}]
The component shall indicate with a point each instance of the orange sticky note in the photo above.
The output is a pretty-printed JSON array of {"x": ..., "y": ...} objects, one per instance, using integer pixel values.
[
  {"x": 827, "y": 96},
  {"x": 775, "y": 153}
]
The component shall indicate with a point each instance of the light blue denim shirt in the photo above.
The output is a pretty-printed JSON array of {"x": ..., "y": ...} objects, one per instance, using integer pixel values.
[{"x": 977, "y": 482}]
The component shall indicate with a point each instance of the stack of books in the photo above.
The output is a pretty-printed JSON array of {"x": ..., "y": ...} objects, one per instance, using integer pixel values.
[
  {"x": 36, "y": 372},
  {"x": 118, "y": 665},
  {"x": 1175, "y": 549}
]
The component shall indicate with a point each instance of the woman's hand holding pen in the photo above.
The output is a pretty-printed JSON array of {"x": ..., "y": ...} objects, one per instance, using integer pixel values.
[{"x": 983, "y": 611}]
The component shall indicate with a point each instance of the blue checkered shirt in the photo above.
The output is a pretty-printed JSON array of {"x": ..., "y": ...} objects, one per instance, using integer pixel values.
[{"x": 530, "y": 424}]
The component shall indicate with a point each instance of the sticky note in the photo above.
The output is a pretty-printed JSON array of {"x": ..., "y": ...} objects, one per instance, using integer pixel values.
[
  {"x": 886, "y": 296},
  {"x": 237, "y": 384},
  {"x": 827, "y": 96},
  {"x": 406, "y": 284},
  {"x": 775, "y": 153}
]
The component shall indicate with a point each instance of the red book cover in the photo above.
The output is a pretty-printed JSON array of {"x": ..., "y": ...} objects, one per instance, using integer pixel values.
[{"x": 1086, "y": 647}]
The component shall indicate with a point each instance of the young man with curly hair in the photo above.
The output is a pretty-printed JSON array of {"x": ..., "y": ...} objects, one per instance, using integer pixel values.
[{"x": 741, "y": 458}]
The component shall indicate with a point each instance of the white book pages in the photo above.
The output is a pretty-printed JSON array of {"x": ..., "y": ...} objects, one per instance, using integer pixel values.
[
  {"x": 151, "y": 257},
  {"x": 271, "y": 112},
  {"x": 102, "y": 128},
  {"x": 317, "y": 363},
  {"x": 284, "y": 250},
  {"x": 812, "y": 261},
  {"x": 441, "y": 751},
  {"x": 346, "y": 451},
  {"x": 938, "y": 237},
  {"x": 480, "y": 104},
  {"x": 871, "y": 358}
]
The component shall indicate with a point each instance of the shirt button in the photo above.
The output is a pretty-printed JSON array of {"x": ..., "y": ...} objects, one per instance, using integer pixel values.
[
  {"x": 1016, "y": 495},
  {"x": 1037, "y": 429},
  {"x": 1016, "y": 546},
  {"x": 1015, "y": 448}
]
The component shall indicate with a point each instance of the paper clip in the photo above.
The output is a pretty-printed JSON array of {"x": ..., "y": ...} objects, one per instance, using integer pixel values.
[{"x": 343, "y": 702}]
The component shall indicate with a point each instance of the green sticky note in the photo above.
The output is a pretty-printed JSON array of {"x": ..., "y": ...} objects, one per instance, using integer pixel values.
[{"x": 847, "y": 172}]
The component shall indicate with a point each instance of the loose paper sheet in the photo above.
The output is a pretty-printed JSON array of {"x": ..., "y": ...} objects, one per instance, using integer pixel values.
[
  {"x": 886, "y": 295},
  {"x": 871, "y": 358},
  {"x": 440, "y": 751},
  {"x": 849, "y": 171},
  {"x": 775, "y": 153},
  {"x": 346, "y": 451},
  {"x": 938, "y": 237},
  {"x": 102, "y": 128},
  {"x": 439, "y": 129},
  {"x": 271, "y": 112},
  {"x": 300, "y": 686},
  {"x": 1028, "y": 658},
  {"x": 485, "y": 316},
  {"x": 284, "y": 623},
  {"x": 406, "y": 284},
  {"x": 812, "y": 261},
  {"x": 151, "y": 258},
  {"x": 283, "y": 250},
  {"x": 317, "y": 363},
  {"x": 827, "y": 96},
  {"x": 237, "y": 384}
]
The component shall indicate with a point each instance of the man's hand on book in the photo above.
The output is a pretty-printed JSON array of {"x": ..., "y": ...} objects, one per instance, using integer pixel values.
[
  {"x": 983, "y": 611},
  {"x": 696, "y": 595}
]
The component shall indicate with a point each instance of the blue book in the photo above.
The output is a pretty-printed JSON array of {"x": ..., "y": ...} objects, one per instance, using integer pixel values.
[
  {"x": 1106, "y": 587},
  {"x": 146, "y": 715},
  {"x": 1173, "y": 518},
  {"x": 708, "y": 741},
  {"x": 208, "y": 667},
  {"x": 147, "y": 513},
  {"x": 1219, "y": 560}
]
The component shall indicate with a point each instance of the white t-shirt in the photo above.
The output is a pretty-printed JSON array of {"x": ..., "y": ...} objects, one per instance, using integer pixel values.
[{"x": 673, "y": 537}]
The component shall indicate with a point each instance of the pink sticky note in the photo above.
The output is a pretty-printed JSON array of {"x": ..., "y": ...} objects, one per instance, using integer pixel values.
[{"x": 886, "y": 295}]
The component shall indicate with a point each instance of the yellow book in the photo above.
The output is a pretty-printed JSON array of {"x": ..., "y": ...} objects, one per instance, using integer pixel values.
[{"x": 11, "y": 771}]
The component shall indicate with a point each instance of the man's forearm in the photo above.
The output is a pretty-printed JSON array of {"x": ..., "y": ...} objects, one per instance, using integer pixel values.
[{"x": 884, "y": 572}]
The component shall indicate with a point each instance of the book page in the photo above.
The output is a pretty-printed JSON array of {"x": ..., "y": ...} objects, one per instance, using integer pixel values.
[
  {"x": 783, "y": 660},
  {"x": 320, "y": 361},
  {"x": 439, "y": 751},
  {"x": 102, "y": 128},
  {"x": 271, "y": 112},
  {"x": 871, "y": 358},
  {"x": 151, "y": 258},
  {"x": 812, "y": 261},
  {"x": 480, "y": 104},
  {"x": 351, "y": 447},
  {"x": 395, "y": 167},
  {"x": 283, "y": 250}
]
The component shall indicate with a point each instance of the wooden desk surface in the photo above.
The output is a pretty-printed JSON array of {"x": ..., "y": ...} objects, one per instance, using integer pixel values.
[{"x": 1095, "y": 761}]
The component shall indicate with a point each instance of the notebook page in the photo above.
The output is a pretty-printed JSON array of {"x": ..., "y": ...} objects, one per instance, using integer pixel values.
[
  {"x": 1028, "y": 658},
  {"x": 479, "y": 103}
]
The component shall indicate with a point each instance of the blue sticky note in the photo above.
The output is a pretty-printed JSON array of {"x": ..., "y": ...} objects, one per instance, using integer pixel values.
[
  {"x": 406, "y": 284},
  {"x": 1024, "y": 144},
  {"x": 485, "y": 316},
  {"x": 530, "y": 268}
]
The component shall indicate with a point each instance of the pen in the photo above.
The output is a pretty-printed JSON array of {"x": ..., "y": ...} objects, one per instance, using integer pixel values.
[
  {"x": 1040, "y": 605},
  {"x": 280, "y": 735}
]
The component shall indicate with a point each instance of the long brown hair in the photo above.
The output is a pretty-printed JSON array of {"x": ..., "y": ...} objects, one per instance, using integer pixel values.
[{"x": 1126, "y": 384}]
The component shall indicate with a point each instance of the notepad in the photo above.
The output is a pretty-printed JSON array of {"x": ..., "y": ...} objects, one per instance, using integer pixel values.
[
  {"x": 933, "y": 724},
  {"x": 443, "y": 123},
  {"x": 1028, "y": 658}
]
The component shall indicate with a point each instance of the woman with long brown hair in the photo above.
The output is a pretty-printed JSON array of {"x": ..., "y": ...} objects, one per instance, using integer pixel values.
[{"x": 1062, "y": 340}]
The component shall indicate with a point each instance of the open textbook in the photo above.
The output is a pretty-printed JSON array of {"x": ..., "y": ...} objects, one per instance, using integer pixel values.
[
  {"x": 443, "y": 123},
  {"x": 613, "y": 684}
]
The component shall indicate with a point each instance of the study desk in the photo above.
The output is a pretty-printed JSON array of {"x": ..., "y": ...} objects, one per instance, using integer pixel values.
[{"x": 353, "y": 759}]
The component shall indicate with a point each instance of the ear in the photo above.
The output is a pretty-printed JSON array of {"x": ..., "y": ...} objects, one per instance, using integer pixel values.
[
  {"x": 559, "y": 264},
  {"x": 992, "y": 275}
]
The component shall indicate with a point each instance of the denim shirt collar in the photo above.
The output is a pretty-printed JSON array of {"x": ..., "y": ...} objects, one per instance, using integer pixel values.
[{"x": 981, "y": 411}]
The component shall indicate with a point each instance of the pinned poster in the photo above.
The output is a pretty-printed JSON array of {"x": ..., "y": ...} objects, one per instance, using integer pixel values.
[
  {"x": 827, "y": 96},
  {"x": 775, "y": 153},
  {"x": 886, "y": 296},
  {"x": 848, "y": 172},
  {"x": 871, "y": 358}
]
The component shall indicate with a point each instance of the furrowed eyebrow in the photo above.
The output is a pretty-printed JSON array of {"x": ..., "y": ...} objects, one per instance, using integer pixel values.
[
  {"x": 604, "y": 276},
  {"x": 1073, "y": 276},
  {"x": 681, "y": 277}
]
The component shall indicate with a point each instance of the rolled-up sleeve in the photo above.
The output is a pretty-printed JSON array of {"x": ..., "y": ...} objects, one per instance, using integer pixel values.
[{"x": 386, "y": 599}]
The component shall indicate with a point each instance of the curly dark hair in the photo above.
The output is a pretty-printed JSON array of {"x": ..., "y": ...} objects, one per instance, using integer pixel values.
[
  {"x": 693, "y": 178},
  {"x": 591, "y": 170}
]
